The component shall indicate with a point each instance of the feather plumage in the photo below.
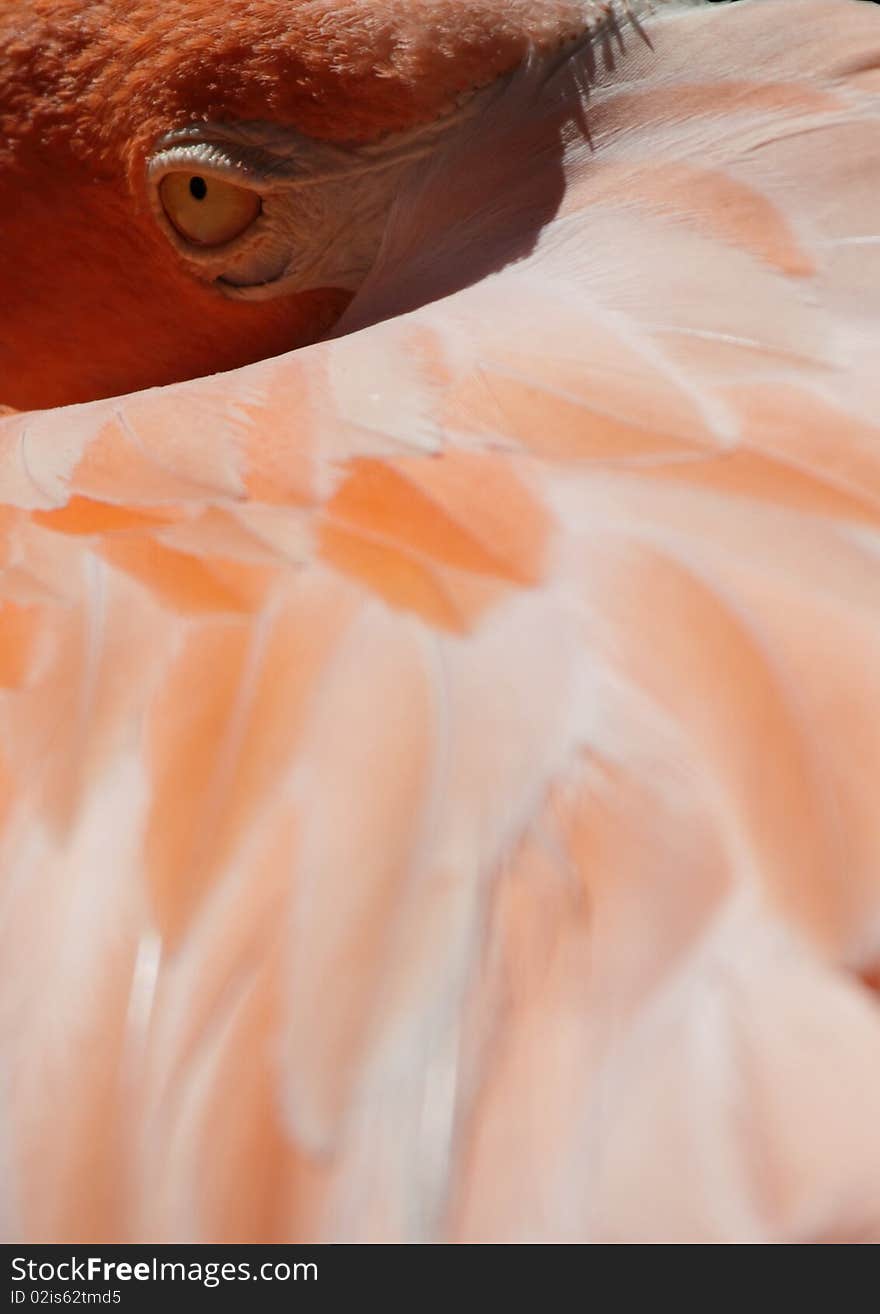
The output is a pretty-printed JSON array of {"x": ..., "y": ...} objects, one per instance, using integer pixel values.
[{"x": 448, "y": 785}]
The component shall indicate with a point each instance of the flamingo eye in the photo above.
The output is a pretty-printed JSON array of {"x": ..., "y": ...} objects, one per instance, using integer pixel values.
[{"x": 206, "y": 210}]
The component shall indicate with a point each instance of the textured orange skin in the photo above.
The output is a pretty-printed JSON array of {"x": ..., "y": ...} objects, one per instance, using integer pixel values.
[
  {"x": 96, "y": 301},
  {"x": 477, "y": 842},
  {"x": 102, "y": 306}
]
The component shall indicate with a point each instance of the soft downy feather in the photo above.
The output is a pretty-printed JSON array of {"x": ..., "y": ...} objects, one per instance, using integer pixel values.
[{"x": 439, "y": 798}]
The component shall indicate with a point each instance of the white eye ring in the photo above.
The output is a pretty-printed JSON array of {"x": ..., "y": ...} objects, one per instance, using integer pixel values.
[
  {"x": 317, "y": 211},
  {"x": 233, "y": 245}
]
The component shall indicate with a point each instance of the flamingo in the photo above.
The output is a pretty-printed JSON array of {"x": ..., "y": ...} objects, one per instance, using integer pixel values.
[{"x": 440, "y": 592}]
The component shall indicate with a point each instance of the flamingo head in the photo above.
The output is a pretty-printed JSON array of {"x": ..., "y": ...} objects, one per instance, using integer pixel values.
[{"x": 189, "y": 186}]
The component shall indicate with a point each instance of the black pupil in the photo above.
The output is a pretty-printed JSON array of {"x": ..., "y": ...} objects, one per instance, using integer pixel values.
[{"x": 198, "y": 188}]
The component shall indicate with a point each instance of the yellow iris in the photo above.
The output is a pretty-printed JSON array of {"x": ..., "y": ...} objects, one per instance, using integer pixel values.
[{"x": 207, "y": 211}]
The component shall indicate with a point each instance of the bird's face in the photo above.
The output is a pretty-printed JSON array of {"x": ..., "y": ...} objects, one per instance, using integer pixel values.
[{"x": 188, "y": 186}]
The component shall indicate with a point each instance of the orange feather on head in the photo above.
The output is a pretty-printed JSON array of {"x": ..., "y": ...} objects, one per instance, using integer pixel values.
[
  {"x": 97, "y": 301},
  {"x": 437, "y": 768}
]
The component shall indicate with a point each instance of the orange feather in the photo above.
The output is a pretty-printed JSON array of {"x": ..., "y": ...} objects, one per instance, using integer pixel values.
[{"x": 438, "y": 766}]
